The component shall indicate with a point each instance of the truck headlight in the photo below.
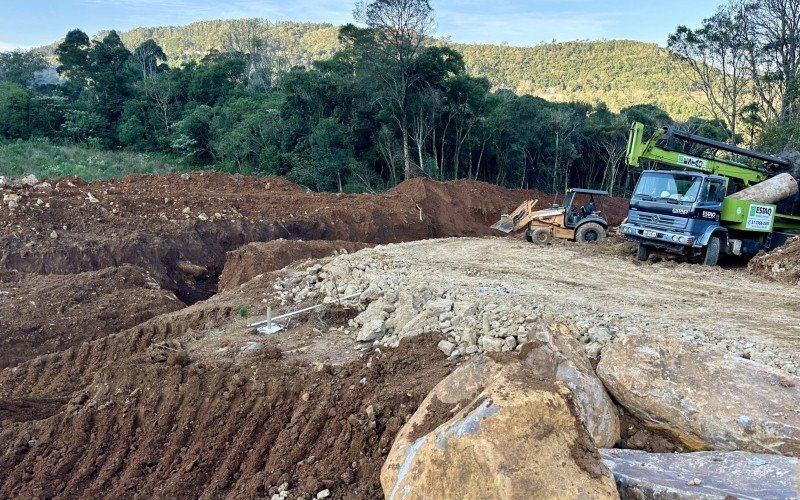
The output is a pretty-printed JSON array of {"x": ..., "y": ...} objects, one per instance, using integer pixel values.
[
  {"x": 675, "y": 237},
  {"x": 682, "y": 239}
]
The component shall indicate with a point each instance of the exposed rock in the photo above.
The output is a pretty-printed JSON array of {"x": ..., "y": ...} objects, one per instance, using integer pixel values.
[
  {"x": 29, "y": 180},
  {"x": 492, "y": 344},
  {"x": 706, "y": 399},
  {"x": 553, "y": 348},
  {"x": 446, "y": 347},
  {"x": 510, "y": 432},
  {"x": 373, "y": 329},
  {"x": 735, "y": 474}
]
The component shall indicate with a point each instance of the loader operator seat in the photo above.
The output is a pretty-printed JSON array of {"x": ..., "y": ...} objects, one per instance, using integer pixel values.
[{"x": 588, "y": 209}]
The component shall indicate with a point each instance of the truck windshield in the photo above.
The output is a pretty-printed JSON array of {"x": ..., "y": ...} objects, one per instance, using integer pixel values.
[{"x": 668, "y": 186}]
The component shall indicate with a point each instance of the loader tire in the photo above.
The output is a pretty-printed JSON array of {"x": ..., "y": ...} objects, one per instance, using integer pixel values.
[
  {"x": 643, "y": 252},
  {"x": 541, "y": 236},
  {"x": 712, "y": 251},
  {"x": 590, "y": 232}
]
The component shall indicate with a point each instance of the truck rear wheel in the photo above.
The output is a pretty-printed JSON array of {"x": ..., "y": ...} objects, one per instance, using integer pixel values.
[
  {"x": 712, "y": 251},
  {"x": 591, "y": 231},
  {"x": 643, "y": 252},
  {"x": 541, "y": 236}
]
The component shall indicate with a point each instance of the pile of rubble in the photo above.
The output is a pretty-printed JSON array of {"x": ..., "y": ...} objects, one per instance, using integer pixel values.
[{"x": 489, "y": 292}]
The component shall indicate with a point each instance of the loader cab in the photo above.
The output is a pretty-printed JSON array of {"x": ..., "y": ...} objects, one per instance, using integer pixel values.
[{"x": 582, "y": 204}]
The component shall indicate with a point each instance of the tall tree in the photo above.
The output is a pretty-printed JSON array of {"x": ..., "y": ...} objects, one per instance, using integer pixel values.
[
  {"x": 714, "y": 57},
  {"x": 772, "y": 31},
  {"x": 20, "y": 67},
  {"x": 147, "y": 55},
  {"x": 73, "y": 56},
  {"x": 400, "y": 28}
]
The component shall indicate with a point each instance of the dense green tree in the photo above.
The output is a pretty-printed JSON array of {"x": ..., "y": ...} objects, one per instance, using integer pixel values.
[
  {"x": 15, "y": 111},
  {"x": 20, "y": 67}
]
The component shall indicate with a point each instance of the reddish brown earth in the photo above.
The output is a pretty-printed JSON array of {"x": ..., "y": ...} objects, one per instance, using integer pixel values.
[
  {"x": 781, "y": 264},
  {"x": 248, "y": 261},
  {"x": 185, "y": 428},
  {"x": 118, "y": 390},
  {"x": 155, "y": 222},
  {"x": 41, "y": 314}
]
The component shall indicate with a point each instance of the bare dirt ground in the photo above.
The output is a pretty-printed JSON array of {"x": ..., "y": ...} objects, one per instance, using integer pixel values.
[{"x": 115, "y": 389}]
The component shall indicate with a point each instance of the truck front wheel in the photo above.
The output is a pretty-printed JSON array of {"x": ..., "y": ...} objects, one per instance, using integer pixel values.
[
  {"x": 643, "y": 252},
  {"x": 712, "y": 251}
]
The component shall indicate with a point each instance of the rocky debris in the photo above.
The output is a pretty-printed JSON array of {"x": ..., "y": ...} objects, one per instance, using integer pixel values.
[
  {"x": 705, "y": 398},
  {"x": 253, "y": 259},
  {"x": 29, "y": 180},
  {"x": 11, "y": 199},
  {"x": 494, "y": 302},
  {"x": 496, "y": 428},
  {"x": 781, "y": 264},
  {"x": 724, "y": 474}
]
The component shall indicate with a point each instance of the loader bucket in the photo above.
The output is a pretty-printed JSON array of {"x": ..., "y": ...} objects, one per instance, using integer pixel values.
[
  {"x": 505, "y": 224},
  {"x": 516, "y": 219}
]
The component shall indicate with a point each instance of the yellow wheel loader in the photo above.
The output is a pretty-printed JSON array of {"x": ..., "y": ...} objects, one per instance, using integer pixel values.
[{"x": 583, "y": 224}]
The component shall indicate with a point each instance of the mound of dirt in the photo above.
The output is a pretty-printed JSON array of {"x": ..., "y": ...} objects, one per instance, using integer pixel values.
[
  {"x": 247, "y": 262},
  {"x": 781, "y": 264},
  {"x": 43, "y": 314},
  {"x": 156, "y": 221},
  {"x": 146, "y": 428}
]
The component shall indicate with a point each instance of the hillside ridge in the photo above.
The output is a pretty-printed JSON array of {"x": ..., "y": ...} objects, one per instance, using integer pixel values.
[{"x": 618, "y": 73}]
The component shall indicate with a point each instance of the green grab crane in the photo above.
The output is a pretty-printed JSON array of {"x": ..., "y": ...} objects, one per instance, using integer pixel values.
[{"x": 707, "y": 205}]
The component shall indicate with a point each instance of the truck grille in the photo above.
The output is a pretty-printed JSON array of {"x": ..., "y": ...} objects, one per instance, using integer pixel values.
[{"x": 657, "y": 221}]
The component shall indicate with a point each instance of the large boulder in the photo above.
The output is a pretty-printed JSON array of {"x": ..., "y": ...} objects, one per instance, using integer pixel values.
[
  {"x": 703, "y": 474},
  {"x": 705, "y": 398},
  {"x": 554, "y": 347},
  {"x": 496, "y": 428}
]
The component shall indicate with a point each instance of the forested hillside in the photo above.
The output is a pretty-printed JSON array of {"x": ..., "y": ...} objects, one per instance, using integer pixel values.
[{"x": 619, "y": 73}]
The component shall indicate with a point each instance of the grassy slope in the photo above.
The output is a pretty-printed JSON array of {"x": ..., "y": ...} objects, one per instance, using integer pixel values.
[{"x": 47, "y": 160}]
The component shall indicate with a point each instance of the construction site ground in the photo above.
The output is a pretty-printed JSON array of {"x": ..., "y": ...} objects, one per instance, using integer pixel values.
[{"x": 128, "y": 374}]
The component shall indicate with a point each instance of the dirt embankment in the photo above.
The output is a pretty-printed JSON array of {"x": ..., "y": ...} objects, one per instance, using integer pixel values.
[
  {"x": 158, "y": 222},
  {"x": 41, "y": 314},
  {"x": 247, "y": 262},
  {"x": 781, "y": 264},
  {"x": 186, "y": 428}
]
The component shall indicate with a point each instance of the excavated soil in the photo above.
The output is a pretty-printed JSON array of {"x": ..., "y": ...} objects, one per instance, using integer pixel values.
[
  {"x": 781, "y": 264},
  {"x": 43, "y": 314},
  {"x": 179, "y": 227},
  {"x": 247, "y": 262},
  {"x": 185, "y": 427},
  {"x": 120, "y": 390}
]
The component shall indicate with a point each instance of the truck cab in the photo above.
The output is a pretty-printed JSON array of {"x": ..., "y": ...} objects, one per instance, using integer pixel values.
[{"x": 678, "y": 212}]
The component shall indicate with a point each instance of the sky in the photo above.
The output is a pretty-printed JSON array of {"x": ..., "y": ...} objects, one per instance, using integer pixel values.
[{"x": 30, "y": 23}]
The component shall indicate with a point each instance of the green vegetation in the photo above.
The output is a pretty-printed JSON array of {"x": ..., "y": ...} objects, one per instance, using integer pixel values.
[
  {"x": 45, "y": 159},
  {"x": 619, "y": 73},
  {"x": 352, "y": 109}
]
